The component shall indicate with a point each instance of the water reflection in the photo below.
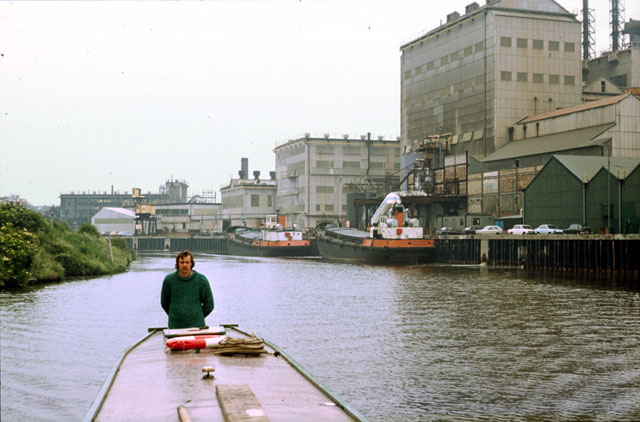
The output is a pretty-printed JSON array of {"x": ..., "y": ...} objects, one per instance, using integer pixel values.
[{"x": 397, "y": 343}]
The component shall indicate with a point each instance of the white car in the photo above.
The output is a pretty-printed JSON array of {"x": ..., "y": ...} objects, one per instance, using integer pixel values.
[
  {"x": 521, "y": 229},
  {"x": 490, "y": 230},
  {"x": 548, "y": 229}
]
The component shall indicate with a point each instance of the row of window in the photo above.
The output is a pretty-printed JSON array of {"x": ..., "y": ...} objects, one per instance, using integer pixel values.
[
  {"x": 375, "y": 165},
  {"x": 444, "y": 60},
  {"x": 537, "y": 78},
  {"x": 165, "y": 211},
  {"x": 569, "y": 47},
  {"x": 329, "y": 207}
]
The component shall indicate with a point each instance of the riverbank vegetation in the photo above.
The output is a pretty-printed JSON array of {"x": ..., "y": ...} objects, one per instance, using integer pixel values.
[{"x": 33, "y": 250}]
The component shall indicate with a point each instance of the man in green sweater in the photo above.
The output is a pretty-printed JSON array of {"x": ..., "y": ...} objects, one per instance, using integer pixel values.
[{"x": 186, "y": 294}]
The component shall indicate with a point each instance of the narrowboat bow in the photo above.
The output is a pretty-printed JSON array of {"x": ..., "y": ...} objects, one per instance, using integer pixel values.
[{"x": 172, "y": 375}]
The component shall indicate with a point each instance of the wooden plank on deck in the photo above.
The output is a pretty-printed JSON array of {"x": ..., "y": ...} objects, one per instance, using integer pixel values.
[{"x": 239, "y": 404}]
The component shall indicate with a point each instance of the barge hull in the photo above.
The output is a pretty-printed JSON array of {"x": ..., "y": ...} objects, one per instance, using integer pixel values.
[{"x": 347, "y": 251}]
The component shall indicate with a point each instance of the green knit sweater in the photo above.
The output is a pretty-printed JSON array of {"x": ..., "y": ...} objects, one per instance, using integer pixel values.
[{"x": 187, "y": 301}]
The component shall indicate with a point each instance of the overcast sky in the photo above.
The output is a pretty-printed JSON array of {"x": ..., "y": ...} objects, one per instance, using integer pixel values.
[{"x": 131, "y": 94}]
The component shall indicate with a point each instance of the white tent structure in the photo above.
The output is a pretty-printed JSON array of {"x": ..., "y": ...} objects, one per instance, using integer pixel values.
[{"x": 115, "y": 221}]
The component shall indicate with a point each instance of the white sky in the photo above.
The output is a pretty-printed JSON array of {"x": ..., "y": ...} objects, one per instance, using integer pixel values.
[{"x": 130, "y": 94}]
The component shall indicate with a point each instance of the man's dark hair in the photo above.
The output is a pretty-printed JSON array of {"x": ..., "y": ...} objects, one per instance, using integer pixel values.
[{"x": 185, "y": 254}]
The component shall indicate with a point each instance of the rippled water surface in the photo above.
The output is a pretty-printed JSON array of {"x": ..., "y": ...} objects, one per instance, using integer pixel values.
[{"x": 397, "y": 343}]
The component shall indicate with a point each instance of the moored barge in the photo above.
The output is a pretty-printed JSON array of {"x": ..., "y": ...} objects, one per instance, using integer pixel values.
[
  {"x": 391, "y": 239},
  {"x": 259, "y": 383},
  {"x": 269, "y": 243}
]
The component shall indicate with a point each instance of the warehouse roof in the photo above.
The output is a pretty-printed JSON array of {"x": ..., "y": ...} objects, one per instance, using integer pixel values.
[
  {"x": 585, "y": 167},
  {"x": 124, "y": 211},
  {"x": 573, "y": 109},
  {"x": 557, "y": 142}
]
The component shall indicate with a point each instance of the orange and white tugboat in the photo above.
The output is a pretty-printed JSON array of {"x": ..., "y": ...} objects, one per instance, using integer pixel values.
[{"x": 391, "y": 239}]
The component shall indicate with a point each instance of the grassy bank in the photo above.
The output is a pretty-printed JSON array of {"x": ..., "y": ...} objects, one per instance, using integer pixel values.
[{"x": 32, "y": 250}]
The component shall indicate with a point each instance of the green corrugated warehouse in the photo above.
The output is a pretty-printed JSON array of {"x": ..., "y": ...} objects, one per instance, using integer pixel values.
[{"x": 575, "y": 189}]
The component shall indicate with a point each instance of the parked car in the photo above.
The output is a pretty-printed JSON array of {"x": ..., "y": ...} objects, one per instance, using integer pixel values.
[
  {"x": 471, "y": 229},
  {"x": 490, "y": 230},
  {"x": 448, "y": 230},
  {"x": 577, "y": 229},
  {"x": 548, "y": 229},
  {"x": 521, "y": 229}
]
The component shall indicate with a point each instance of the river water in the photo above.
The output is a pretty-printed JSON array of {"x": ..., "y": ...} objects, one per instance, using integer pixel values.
[{"x": 415, "y": 343}]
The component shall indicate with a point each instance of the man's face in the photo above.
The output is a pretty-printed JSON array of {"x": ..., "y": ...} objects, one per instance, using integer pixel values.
[{"x": 184, "y": 266}]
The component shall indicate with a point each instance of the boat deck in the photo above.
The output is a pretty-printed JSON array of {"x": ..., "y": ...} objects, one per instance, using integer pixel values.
[{"x": 152, "y": 382}]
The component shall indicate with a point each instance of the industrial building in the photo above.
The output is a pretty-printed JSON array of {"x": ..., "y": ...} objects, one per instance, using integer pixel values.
[
  {"x": 480, "y": 72},
  {"x": 115, "y": 221},
  {"x": 245, "y": 202},
  {"x": 191, "y": 217},
  {"x": 77, "y": 208},
  {"x": 577, "y": 189},
  {"x": 314, "y": 174}
]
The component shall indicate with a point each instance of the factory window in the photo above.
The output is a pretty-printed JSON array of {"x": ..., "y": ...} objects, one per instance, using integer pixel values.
[
  {"x": 418, "y": 70},
  {"x": 444, "y": 60},
  {"x": 554, "y": 45},
  {"x": 269, "y": 200},
  {"x": 468, "y": 51},
  {"x": 522, "y": 77},
  {"x": 554, "y": 79},
  {"x": 328, "y": 207},
  {"x": 255, "y": 200},
  {"x": 324, "y": 164},
  {"x": 351, "y": 164},
  {"x": 324, "y": 189},
  {"x": 603, "y": 86},
  {"x": 317, "y": 207},
  {"x": 377, "y": 165},
  {"x": 569, "y": 47},
  {"x": 522, "y": 43},
  {"x": 505, "y": 76},
  {"x": 351, "y": 150},
  {"x": 407, "y": 74},
  {"x": 538, "y": 44},
  {"x": 454, "y": 56},
  {"x": 505, "y": 42},
  {"x": 538, "y": 78},
  {"x": 569, "y": 80},
  {"x": 430, "y": 65},
  {"x": 479, "y": 46}
]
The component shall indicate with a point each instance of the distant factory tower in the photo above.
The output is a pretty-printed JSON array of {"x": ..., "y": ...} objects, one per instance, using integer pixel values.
[
  {"x": 588, "y": 32},
  {"x": 617, "y": 23}
]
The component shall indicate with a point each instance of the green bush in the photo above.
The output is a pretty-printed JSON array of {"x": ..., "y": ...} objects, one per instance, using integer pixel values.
[
  {"x": 31, "y": 249},
  {"x": 88, "y": 228},
  {"x": 23, "y": 218},
  {"x": 17, "y": 249},
  {"x": 119, "y": 243}
]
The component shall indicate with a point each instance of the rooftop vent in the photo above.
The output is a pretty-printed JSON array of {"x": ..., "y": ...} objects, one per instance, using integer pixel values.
[
  {"x": 471, "y": 7},
  {"x": 326, "y": 136},
  {"x": 363, "y": 137},
  {"x": 345, "y": 136},
  {"x": 380, "y": 138},
  {"x": 452, "y": 16},
  {"x": 256, "y": 175}
]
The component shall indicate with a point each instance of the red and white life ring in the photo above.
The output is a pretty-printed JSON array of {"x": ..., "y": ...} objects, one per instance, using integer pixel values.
[{"x": 194, "y": 342}]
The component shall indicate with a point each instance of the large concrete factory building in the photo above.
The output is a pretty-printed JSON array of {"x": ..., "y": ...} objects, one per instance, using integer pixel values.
[{"x": 480, "y": 72}]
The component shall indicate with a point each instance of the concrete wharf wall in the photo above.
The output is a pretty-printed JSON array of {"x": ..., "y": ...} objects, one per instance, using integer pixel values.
[
  {"x": 598, "y": 256},
  {"x": 602, "y": 256},
  {"x": 215, "y": 245}
]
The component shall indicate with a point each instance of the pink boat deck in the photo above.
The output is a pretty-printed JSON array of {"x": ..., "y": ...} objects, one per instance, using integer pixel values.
[{"x": 152, "y": 382}]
